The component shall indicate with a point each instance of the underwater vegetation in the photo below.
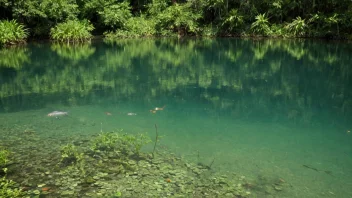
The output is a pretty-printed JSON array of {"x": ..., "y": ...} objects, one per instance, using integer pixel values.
[
  {"x": 111, "y": 164},
  {"x": 119, "y": 143},
  {"x": 4, "y": 157},
  {"x": 8, "y": 188}
]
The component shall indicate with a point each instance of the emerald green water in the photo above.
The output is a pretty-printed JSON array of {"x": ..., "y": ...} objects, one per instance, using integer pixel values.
[{"x": 259, "y": 108}]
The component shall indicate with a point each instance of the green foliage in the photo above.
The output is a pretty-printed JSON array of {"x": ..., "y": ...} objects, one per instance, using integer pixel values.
[
  {"x": 4, "y": 157},
  {"x": 59, "y": 10},
  {"x": 276, "y": 10},
  {"x": 134, "y": 143},
  {"x": 218, "y": 7},
  {"x": 183, "y": 17},
  {"x": 119, "y": 143},
  {"x": 8, "y": 189},
  {"x": 278, "y": 30},
  {"x": 111, "y": 36},
  {"x": 40, "y": 16},
  {"x": 116, "y": 15},
  {"x": 70, "y": 155},
  {"x": 72, "y": 158},
  {"x": 117, "y": 194},
  {"x": 72, "y": 31},
  {"x": 134, "y": 27},
  {"x": 141, "y": 26},
  {"x": 156, "y": 7},
  {"x": 105, "y": 142},
  {"x": 322, "y": 25},
  {"x": 12, "y": 32},
  {"x": 297, "y": 27},
  {"x": 180, "y": 18},
  {"x": 233, "y": 21},
  {"x": 261, "y": 25},
  {"x": 331, "y": 21},
  {"x": 47, "y": 10},
  {"x": 209, "y": 31}
]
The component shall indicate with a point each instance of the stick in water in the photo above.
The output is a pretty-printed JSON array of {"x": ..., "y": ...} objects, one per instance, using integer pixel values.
[
  {"x": 211, "y": 163},
  {"x": 101, "y": 127},
  {"x": 156, "y": 139}
]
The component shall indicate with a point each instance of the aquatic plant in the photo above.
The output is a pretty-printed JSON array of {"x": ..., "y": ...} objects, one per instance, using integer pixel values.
[
  {"x": 72, "y": 158},
  {"x": 119, "y": 143},
  {"x": 4, "y": 157},
  {"x": 8, "y": 189},
  {"x": 134, "y": 143},
  {"x": 117, "y": 194},
  {"x": 70, "y": 155},
  {"x": 104, "y": 142}
]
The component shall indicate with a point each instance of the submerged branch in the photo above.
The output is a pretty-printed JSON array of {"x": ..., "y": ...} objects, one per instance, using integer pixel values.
[{"x": 156, "y": 138}]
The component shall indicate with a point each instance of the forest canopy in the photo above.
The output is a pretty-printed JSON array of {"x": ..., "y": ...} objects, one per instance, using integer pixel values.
[{"x": 139, "y": 18}]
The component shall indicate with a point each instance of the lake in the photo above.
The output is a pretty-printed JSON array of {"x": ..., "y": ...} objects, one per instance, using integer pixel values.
[{"x": 272, "y": 117}]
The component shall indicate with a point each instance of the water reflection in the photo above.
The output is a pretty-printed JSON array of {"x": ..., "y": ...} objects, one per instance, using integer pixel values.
[
  {"x": 274, "y": 112},
  {"x": 301, "y": 81}
]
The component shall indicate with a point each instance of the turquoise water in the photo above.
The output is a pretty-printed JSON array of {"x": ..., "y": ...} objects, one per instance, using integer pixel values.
[{"x": 260, "y": 108}]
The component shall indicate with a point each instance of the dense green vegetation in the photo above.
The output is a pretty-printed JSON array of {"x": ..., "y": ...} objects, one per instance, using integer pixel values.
[
  {"x": 72, "y": 30},
  {"x": 12, "y": 32},
  {"x": 135, "y": 18}
]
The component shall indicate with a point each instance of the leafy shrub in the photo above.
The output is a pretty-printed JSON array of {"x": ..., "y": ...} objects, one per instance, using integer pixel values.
[
  {"x": 278, "y": 30},
  {"x": 111, "y": 36},
  {"x": 12, "y": 32},
  {"x": 141, "y": 25},
  {"x": 180, "y": 18},
  {"x": 156, "y": 7},
  {"x": 209, "y": 31},
  {"x": 72, "y": 31},
  {"x": 116, "y": 15},
  {"x": 261, "y": 25},
  {"x": 233, "y": 21},
  {"x": 321, "y": 25},
  {"x": 134, "y": 27},
  {"x": 297, "y": 27}
]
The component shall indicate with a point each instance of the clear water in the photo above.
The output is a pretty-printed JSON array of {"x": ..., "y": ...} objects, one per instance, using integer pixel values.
[{"x": 260, "y": 108}]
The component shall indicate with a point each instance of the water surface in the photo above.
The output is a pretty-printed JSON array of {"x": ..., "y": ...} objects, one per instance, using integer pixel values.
[{"x": 264, "y": 109}]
